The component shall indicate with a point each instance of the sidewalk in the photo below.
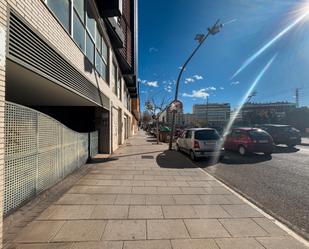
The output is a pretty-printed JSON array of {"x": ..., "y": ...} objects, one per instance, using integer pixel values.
[{"x": 145, "y": 197}]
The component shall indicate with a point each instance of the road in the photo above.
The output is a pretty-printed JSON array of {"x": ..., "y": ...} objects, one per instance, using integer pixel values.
[{"x": 278, "y": 184}]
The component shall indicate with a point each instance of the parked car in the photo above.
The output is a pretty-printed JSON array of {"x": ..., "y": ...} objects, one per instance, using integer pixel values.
[
  {"x": 200, "y": 142},
  {"x": 283, "y": 134},
  {"x": 249, "y": 140}
]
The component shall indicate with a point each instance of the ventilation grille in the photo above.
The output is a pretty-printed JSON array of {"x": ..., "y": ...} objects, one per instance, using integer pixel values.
[{"x": 28, "y": 48}]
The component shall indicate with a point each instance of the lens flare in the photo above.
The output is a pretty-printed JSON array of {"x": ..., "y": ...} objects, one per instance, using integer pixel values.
[
  {"x": 242, "y": 102},
  {"x": 270, "y": 43}
]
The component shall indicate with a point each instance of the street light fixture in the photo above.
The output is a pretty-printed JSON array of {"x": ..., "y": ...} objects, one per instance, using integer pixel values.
[{"x": 201, "y": 39}]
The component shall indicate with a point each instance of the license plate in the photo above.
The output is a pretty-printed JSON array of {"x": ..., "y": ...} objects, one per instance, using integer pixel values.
[
  {"x": 263, "y": 141},
  {"x": 210, "y": 143}
]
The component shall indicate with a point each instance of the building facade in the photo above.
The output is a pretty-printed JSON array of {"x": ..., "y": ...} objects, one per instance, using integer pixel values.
[
  {"x": 254, "y": 113},
  {"x": 72, "y": 60},
  {"x": 212, "y": 114}
]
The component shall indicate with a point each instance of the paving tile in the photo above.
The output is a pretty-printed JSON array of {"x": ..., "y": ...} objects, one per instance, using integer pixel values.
[
  {"x": 143, "y": 177},
  {"x": 45, "y": 246},
  {"x": 193, "y": 190},
  {"x": 194, "y": 244},
  {"x": 217, "y": 191},
  {"x": 239, "y": 243},
  {"x": 281, "y": 243},
  {"x": 39, "y": 231},
  {"x": 204, "y": 177},
  {"x": 81, "y": 230},
  {"x": 164, "y": 178},
  {"x": 156, "y": 183},
  {"x": 179, "y": 211},
  {"x": 134, "y": 183},
  {"x": 160, "y": 200},
  {"x": 147, "y": 244},
  {"x": 177, "y": 184},
  {"x": 183, "y": 178},
  {"x": 205, "y": 228},
  {"x": 97, "y": 176},
  {"x": 47, "y": 212},
  {"x": 125, "y": 230},
  {"x": 169, "y": 190},
  {"x": 145, "y": 212},
  {"x": 187, "y": 199},
  {"x": 90, "y": 199},
  {"x": 214, "y": 199},
  {"x": 243, "y": 227},
  {"x": 270, "y": 227},
  {"x": 130, "y": 200},
  {"x": 210, "y": 211},
  {"x": 123, "y": 177},
  {"x": 234, "y": 199},
  {"x": 144, "y": 190},
  {"x": 166, "y": 229},
  {"x": 98, "y": 245},
  {"x": 110, "y": 212},
  {"x": 100, "y": 190},
  {"x": 71, "y": 212},
  {"x": 242, "y": 211},
  {"x": 198, "y": 183}
]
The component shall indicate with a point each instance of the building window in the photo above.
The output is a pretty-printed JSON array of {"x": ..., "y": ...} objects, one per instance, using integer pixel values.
[
  {"x": 79, "y": 6},
  {"x": 89, "y": 48},
  {"x": 61, "y": 8},
  {"x": 119, "y": 94},
  {"x": 90, "y": 20},
  {"x": 84, "y": 31},
  {"x": 78, "y": 32},
  {"x": 114, "y": 78}
]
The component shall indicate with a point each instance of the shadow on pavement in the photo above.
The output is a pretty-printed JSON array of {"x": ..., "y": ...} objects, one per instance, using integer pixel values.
[
  {"x": 174, "y": 160},
  {"x": 235, "y": 158},
  {"x": 284, "y": 149}
]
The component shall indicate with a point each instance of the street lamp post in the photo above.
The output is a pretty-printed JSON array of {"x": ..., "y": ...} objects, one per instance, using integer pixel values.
[{"x": 201, "y": 39}]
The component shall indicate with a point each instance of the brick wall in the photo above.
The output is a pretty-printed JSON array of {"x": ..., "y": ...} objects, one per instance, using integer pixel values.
[{"x": 3, "y": 28}]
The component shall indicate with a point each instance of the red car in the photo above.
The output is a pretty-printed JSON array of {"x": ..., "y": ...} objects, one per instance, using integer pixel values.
[{"x": 249, "y": 140}]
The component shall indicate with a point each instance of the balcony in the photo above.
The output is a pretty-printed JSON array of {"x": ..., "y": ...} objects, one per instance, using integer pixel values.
[{"x": 115, "y": 32}]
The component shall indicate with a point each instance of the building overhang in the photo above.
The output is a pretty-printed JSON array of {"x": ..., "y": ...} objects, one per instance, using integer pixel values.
[{"x": 109, "y": 8}]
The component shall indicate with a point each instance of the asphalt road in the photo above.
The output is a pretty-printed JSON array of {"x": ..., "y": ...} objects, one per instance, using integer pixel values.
[{"x": 278, "y": 184}]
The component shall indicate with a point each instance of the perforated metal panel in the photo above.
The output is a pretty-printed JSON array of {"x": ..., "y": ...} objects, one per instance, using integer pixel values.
[{"x": 39, "y": 152}]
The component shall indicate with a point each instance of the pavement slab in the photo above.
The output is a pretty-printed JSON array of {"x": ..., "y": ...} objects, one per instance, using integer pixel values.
[{"x": 142, "y": 200}]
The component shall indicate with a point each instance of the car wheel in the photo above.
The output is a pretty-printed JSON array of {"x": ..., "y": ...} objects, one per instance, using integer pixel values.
[
  {"x": 242, "y": 150},
  {"x": 192, "y": 156}
]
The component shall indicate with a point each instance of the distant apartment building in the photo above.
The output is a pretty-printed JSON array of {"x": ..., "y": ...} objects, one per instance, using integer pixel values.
[
  {"x": 189, "y": 120},
  {"x": 166, "y": 118},
  {"x": 265, "y": 111},
  {"x": 68, "y": 77},
  {"x": 212, "y": 114}
]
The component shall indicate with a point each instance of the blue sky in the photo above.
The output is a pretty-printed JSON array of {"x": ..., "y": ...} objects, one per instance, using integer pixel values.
[{"x": 166, "y": 38}]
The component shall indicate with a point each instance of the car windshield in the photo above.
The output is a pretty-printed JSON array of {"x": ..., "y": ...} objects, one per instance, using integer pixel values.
[
  {"x": 258, "y": 134},
  {"x": 207, "y": 135}
]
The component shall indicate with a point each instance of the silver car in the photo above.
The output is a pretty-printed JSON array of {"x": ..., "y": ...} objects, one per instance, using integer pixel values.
[{"x": 200, "y": 142}]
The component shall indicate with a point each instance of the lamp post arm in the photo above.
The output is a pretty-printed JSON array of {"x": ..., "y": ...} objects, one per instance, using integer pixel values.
[{"x": 186, "y": 63}]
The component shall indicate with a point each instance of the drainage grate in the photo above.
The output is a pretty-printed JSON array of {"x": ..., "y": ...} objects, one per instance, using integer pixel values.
[{"x": 147, "y": 157}]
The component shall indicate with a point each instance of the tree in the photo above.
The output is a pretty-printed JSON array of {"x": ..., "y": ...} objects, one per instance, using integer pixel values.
[
  {"x": 155, "y": 107},
  {"x": 146, "y": 117}
]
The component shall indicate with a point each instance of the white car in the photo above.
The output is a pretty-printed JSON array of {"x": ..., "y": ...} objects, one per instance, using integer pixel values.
[{"x": 200, "y": 142}]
